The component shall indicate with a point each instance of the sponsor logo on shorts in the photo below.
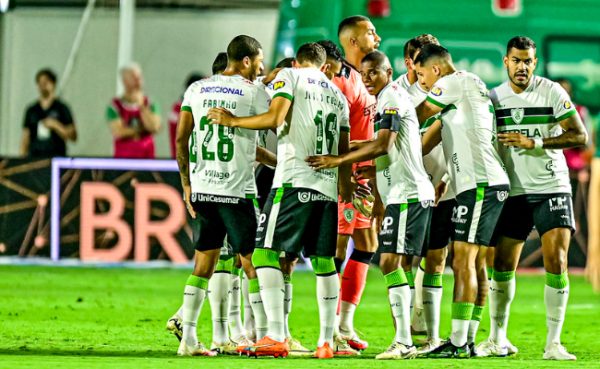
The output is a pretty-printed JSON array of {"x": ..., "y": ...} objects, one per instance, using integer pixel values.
[
  {"x": 426, "y": 204},
  {"x": 436, "y": 91},
  {"x": 304, "y": 197},
  {"x": 517, "y": 115},
  {"x": 261, "y": 224},
  {"x": 348, "y": 215},
  {"x": 386, "y": 226},
  {"x": 201, "y": 197},
  {"x": 277, "y": 85},
  {"x": 502, "y": 195},
  {"x": 458, "y": 214},
  {"x": 559, "y": 203}
]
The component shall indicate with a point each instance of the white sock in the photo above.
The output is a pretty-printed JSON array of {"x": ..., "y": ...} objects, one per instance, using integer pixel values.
[
  {"x": 249, "y": 328},
  {"x": 501, "y": 296},
  {"x": 400, "y": 303},
  {"x": 460, "y": 330},
  {"x": 419, "y": 289},
  {"x": 347, "y": 318},
  {"x": 219, "y": 286},
  {"x": 412, "y": 300},
  {"x": 272, "y": 294},
  {"x": 473, "y": 327},
  {"x": 432, "y": 301},
  {"x": 287, "y": 307},
  {"x": 179, "y": 312},
  {"x": 328, "y": 290},
  {"x": 193, "y": 297},
  {"x": 235, "y": 316},
  {"x": 556, "y": 306}
]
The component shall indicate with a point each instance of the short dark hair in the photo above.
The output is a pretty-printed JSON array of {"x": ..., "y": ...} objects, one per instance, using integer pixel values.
[
  {"x": 220, "y": 63},
  {"x": 243, "y": 46},
  {"x": 520, "y": 43},
  {"x": 351, "y": 22},
  {"x": 193, "y": 77},
  {"x": 411, "y": 46},
  {"x": 285, "y": 63},
  {"x": 431, "y": 51},
  {"x": 331, "y": 49},
  {"x": 311, "y": 52},
  {"x": 49, "y": 73},
  {"x": 376, "y": 57}
]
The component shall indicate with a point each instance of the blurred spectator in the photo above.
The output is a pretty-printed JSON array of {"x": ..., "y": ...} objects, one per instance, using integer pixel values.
[
  {"x": 592, "y": 270},
  {"x": 578, "y": 161},
  {"x": 48, "y": 122},
  {"x": 133, "y": 118},
  {"x": 176, "y": 108}
]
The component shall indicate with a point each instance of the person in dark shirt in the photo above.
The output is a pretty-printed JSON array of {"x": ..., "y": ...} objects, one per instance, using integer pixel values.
[{"x": 48, "y": 122}]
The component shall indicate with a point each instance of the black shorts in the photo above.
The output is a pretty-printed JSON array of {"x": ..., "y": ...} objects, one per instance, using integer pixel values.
[
  {"x": 220, "y": 216},
  {"x": 298, "y": 219},
  {"x": 441, "y": 229},
  {"x": 545, "y": 211},
  {"x": 476, "y": 214},
  {"x": 405, "y": 228}
]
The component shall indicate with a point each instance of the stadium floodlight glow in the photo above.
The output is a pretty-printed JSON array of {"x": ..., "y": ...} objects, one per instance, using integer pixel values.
[
  {"x": 96, "y": 164},
  {"x": 4, "y": 5}
]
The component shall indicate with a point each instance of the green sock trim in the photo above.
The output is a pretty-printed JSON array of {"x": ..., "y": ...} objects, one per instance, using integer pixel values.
[
  {"x": 196, "y": 281},
  {"x": 225, "y": 265},
  {"x": 558, "y": 281},
  {"x": 490, "y": 273},
  {"x": 265, "y": 258},
  {"x": 477, "y": 313},
  {"x": 253, "y": 286},
  {"x": 462, "y": 310},
  {"x": 503, "y": 276},
  {"x": 236, "y": 271},
  {"x": 323, "y": 265},
  {"x": 410, "y": 278},
  {"x": 432, "y": 280},
  {"x": 287, "y": 278},
  {"x": 395, "y": 278},
  {"x": 422, "y": 264}
]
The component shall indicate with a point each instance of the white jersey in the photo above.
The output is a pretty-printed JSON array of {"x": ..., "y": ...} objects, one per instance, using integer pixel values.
[
  {"x": 467, "y": 131},
  {"x": 319, "y": 111},
  {"x": 222, "y": 158},
  {"x": 434, "y": 162},
  {"x": 401, "y": 177},
  {"x": 535, "y": 113},
  {"x": 403, "y": 81}
]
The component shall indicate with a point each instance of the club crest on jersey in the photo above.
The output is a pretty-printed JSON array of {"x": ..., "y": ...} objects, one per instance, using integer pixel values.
[
  {"x": 517, "y": 115},
  {"x": 567, "y": 105},
  {"x": 348, "y": 215},
  {"x": 277, "y": 85},
  {"x": 436, "y": 91},
  {"x": 390, "y": 111}
]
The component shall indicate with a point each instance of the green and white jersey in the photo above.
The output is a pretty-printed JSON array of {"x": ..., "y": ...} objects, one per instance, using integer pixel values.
[
  {"x": 403, "y": 81},
  {"x": 434, "y": 162},
  {"x": 222, "y": 158},
  {"x": 318, "y": 113},
  {"x": 535, "y": 113},
  {"x": 401, "y": 177},
  {"x": 467, "y": 131}
]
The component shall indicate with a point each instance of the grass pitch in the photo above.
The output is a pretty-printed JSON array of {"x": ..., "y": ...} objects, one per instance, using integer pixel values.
[{"x": 115, "y": 318}]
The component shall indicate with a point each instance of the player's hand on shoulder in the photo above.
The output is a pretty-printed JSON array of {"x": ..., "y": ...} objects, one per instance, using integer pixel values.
[
  {"x": 319, "y": 162},
  {"x": 515, "y": 139},
  {"x": 220, "y": 116}
]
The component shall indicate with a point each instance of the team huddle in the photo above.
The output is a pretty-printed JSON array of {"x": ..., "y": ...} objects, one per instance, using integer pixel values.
[{"x": 410, "y": 168}]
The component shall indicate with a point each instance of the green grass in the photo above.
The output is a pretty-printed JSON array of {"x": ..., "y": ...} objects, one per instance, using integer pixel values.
[{"x": 114, "y": 318}]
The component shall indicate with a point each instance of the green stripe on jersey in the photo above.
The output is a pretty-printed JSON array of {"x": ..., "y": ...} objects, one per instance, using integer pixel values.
[
  {"x": 284, "y": 95},
  {"x": 186, "y": 108},
  {"x": 566, "y": 115},
  {"x": 480, "y": 194},
  {"x": 278, "y": 195},
  {"x": 434, "y": 102},
  {"x": 541, "y": 119}
]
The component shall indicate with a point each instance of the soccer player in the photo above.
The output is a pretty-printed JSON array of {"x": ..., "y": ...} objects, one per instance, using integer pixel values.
[
  {"x": 479, "y": 181},
  {"x": 402, "y": 184},
  {"x": 300, "y": 213},
  {"x": 535, "y": 120},
  {"x": 357, "y": 37},
  {"x": 218, "y": 192}
]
